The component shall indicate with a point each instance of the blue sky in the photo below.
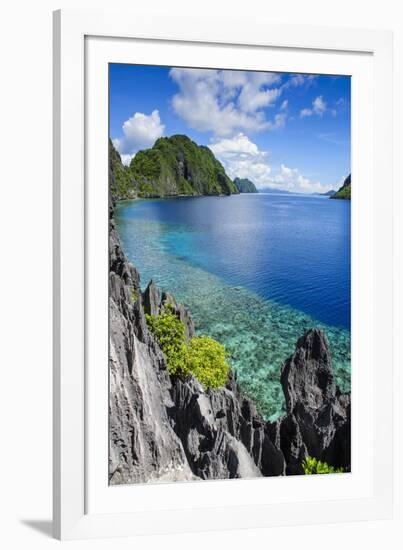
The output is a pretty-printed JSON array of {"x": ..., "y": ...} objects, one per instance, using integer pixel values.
[{"x": 281, "y": 130}]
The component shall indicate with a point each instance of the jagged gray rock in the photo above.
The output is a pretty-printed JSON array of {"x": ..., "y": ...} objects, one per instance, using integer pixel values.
[
  {"x": 151, "y": 299},
  {"x": 181, "y": 312},
  {"x": 154, "y": 304},
  {"x": 143, "y": 445},
  {"x": 222, "y": 434},
  {"x": 318, "y": 415},
  {"x": 307, "y": 377}
]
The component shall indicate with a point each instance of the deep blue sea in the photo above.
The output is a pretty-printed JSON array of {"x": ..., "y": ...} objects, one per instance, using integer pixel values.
[{"x": 256, "y": 270}]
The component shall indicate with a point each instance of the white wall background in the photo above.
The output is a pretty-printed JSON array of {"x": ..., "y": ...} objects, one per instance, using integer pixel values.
[{"x": 26, "y": 255}]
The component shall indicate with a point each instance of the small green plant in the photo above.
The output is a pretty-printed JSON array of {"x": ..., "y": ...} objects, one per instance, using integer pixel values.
[
  {"x": 170, "y": 334},
  {"x": 207, "y": 361},
  {"x": 312, "y": 466},
  {"x": 203, "y": 357}
]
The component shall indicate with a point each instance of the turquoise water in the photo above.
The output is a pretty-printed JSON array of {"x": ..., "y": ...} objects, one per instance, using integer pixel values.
[{"x": 176, "y": 242}]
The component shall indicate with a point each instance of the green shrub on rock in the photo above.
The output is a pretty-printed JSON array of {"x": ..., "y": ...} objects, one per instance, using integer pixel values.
[
  {"x": 312, "y": 466},
  {"x": 207, "y": 361},
  {"x": 204, "y": 358},
  {"x": 170, "y": 334}
]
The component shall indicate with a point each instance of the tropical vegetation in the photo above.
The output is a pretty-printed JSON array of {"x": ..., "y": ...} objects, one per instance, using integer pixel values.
[
  {"x": 345, "y": 190},
  {"x": 174, "y": 166},
  {"x": 201, "y": 357},
  {"x": 312, "y": 466},
  {"x": 121, "y": 181},
  {"x": 244, "y": 185}
]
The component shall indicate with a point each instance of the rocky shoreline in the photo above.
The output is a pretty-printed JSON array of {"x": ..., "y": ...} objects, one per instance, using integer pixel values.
[{"x": 166, "y": 429}]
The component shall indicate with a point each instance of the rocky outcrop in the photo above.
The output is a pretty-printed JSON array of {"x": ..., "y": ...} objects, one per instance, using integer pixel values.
[
  {"x": 244, "y": 185},
  {"x": 174, "y": 166},
  {"x": 222, "y": 433},
  {"x": 318, "y": 415},
  {"x": 121, "y": 182},
  {"x": 143, "y": 445},
  {"x": 154, "y": 303},
  {"x": 345, "y": 190},
  {"x": 163, "y": 428}
]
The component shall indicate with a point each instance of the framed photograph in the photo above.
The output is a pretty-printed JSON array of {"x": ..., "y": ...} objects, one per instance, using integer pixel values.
[{"x": 222, "y": 273}]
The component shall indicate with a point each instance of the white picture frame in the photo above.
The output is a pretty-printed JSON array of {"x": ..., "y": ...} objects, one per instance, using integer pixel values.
[{"x": 84, "y": 506}]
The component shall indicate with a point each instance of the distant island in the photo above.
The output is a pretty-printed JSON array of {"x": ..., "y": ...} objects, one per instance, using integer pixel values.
[
  {"x": 327, "y": 194},
  {"x": 244, "y": 185},
  {"x": 174, "y": 166},
  {"x": 273, "y": 190},
  {"x": 345, "y": 190}
]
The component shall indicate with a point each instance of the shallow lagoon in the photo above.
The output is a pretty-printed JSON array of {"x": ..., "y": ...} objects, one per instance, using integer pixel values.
[{"x": 255, "y": 271}]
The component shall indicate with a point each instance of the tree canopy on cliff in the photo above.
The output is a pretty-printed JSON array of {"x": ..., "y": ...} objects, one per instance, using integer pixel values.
[
  {"x": 174, "y": 166},
  {"x": 244, "y": 185},
  {"x": 203, "y": 357},
  {"x": 345, "y": 190}
]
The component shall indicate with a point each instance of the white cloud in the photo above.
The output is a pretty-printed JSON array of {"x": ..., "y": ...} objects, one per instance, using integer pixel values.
[
  {"x": 284, "y": 105},
  {"x": 226, "y": 102},
  {"x": 319, "y": 107},
  {"x": 300, "y": 80},
  {"x": 242, "y": 158},
  {"x": 305, "y": 112},
  {"x": 279, "y": 121},
  {"x": 139, "y": 132},
  {"x": 291, "y": 179},
  {"x": 126, "y": 159},
  {"x": 239, "y": 145},
  {"x": 255, "y": 92},
  {"x": 340, "y": 106},
  {"x": 251, "y": 98},
  {"x": 297, "y": 80}
]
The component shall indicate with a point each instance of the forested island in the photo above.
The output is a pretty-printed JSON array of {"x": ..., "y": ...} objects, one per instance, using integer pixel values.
[
  {"x": 244, "y": 185},
  {"x": 345, "y": 190},
  {"x": 174, "y": 166}
]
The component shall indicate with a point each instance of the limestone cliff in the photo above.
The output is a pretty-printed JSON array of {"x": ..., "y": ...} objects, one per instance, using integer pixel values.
[
  {"x": 174, "y": 166},
  {"x": 244, "y": 185},
  {"x": 318, "y": 415}
]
